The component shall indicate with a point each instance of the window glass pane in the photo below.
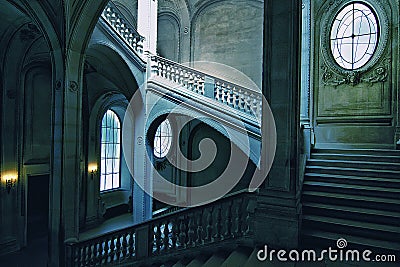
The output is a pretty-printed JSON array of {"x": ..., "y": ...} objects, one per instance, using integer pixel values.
[
  {"x": 110, "y": 151},
  {"x": 354, "y": 36},
  {"x": 162, "y": 139}
]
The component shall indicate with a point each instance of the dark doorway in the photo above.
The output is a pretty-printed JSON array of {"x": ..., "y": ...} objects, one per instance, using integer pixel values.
[{"x": 38, "y": 206}]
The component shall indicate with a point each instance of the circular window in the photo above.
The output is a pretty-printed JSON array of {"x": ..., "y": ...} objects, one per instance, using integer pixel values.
[
  {"x": 163, "y": 139},
  {"x": 354, "y": 36}
]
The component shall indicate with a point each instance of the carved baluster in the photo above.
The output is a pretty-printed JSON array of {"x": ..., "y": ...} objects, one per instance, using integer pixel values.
[
  {"x": 164, "y": 70},
  {"x": 218, "y": 224},
  {"x": 174, "y": 236},
  {"x": 238, "y": 219},
  {"x": 88, "y": 254},
  {"x": 166, "y": 236},
  {"x": 78, "y": 256},
  {"x": 185, "y": 81},
  {"x": 217, "y": 86},
  {"x": 182, "y": 233},
  {"x": 209, "y": 225},
  {"x": 131, "y": 247},
  {"x": 112, "y": 249},
  {"x": 250, "y": 207},
  {"x": 95, "y": 253},
  {"x": 177, "y": 75},
  {"x": 118, "y": 248},
  {"x": 200, "y": 230},
  {"x": 84, "y": 256},
  {"x": 228, "y": 221},
  {"x": 191, "y": 231},
  {"x": 125, "y": 246},
  {"x": 201, "y": 86},
  {"x": 106, "y": 251},
  {"x": 157, "y": 237},
  {"x": 181, "y": 77},
  {"x": 191, "y": 82}
]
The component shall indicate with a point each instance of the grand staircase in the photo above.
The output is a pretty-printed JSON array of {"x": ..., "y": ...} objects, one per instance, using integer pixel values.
[{"x": 355, "y": 195}]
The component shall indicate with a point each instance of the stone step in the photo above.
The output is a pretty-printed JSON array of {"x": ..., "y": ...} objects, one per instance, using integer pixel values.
[
  {"x": 362, "y": 229},
  {"x": 325, "y": 239},
  {"x": 379, "y": 203},
  {"x": 353, "y": 180},
  {"x": 359, "y": 190},
  {"x": 355, "y": 164},
  {"x": 353, "y": 172},
  {"x": 376, "y": 152},
  {"x": 353, "y": 213},
  {"x": 355, "y": 157}
]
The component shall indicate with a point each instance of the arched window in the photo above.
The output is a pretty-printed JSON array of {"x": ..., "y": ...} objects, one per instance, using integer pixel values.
[
  {"x": 163, "y": 139},
  {"x": 110, "y": 151}
]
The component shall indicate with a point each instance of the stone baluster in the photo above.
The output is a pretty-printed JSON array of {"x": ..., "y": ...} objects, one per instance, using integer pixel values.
[
  {"x": 166, "y": 236},
  {"x": 131, "y": 246},
  {"x": 106, "y": 251},
  {"x": 200, "y": 230},
  {"x": 217, "y": 88},
  {"x": 191, "y": 230},
  {"x": 218, "y": 224},
  {"x": 112, "y": 249},
  {"x": 157, "y": 238},
  {"x": 118, "y": 247},
  {"x": 238, "y": 220},
  {"x": 78, "y": 256},
  {"x": 209, "y": 237},
  {"x": 228, "y": 221},
  {"x": 191, "y": 82},
  {"x": 96, "y": 252},
  {"x": 174, "y": 236},
  {"x": 182, "y": 233},
  {"x": 124, "y": 249},
  {"x": 84, "y": 256}
]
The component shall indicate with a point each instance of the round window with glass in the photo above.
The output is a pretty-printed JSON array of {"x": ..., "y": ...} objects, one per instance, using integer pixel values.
[
  {"x": 354, "y": 35},
  {"x": 163, "y": 139}
]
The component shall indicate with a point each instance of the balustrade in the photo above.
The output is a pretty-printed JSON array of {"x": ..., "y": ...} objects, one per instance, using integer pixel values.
[
  {"x": 237, "y": 97},
  {"x": 225, "y": 219},
  {"x": 125, "y": 30}
]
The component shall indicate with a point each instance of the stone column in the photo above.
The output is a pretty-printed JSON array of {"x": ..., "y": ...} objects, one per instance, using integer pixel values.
[
  {"x": 278, "y": 208},
  {"x": 147, "y": 24}
]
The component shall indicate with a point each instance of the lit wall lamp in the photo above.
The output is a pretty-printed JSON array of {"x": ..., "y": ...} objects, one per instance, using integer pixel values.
[
  {"x": 10, "y": 180},
  {"x": 92, "y": 168}
]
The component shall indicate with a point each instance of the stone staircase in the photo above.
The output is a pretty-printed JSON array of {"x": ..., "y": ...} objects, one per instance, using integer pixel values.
[
  {"x": 352, "y": 194},
  {"x": 240, "y": 256}
]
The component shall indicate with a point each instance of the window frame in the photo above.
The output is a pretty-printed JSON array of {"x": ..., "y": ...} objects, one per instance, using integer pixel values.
[
  {"x": 340, "y": 22},
  {"x": 170, "y": 136},
  {"x": 120, "y": 153},
  {"x": 326, "y": 24}
]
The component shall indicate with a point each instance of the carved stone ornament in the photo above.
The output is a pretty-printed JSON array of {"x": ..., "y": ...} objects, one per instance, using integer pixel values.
[
  {"x": 73, "y": 86},
  {"x": 379, "y": 74},
  {"x": 139, "y": 140}
]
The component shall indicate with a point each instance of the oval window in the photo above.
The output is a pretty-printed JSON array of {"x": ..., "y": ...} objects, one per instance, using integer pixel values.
[
  {"x": 163, "y": 139},
  {"x": 354, "y": 36}
]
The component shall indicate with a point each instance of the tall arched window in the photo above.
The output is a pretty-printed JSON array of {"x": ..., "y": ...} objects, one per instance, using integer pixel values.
[{"x": 110, "y": 151}]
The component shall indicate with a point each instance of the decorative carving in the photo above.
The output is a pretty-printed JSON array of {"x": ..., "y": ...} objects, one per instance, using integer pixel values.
[
  {"x": 73, "y": 86},
  {"x": 329, "y": 78},
  {"x": 139, "y": 140},
  {"x": 379, "y": 74}
]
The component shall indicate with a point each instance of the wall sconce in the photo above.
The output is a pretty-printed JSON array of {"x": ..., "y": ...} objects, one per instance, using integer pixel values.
[
  {"x": 92, "y": 168},
  {"x": 10, "y": 180}
]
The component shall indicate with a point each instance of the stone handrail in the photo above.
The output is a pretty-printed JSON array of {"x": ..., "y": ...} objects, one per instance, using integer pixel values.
[
  {"x": 125, "y": 30},
  {"x": 231, "y": 217},
  {"x": 238, "y": 97}
]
